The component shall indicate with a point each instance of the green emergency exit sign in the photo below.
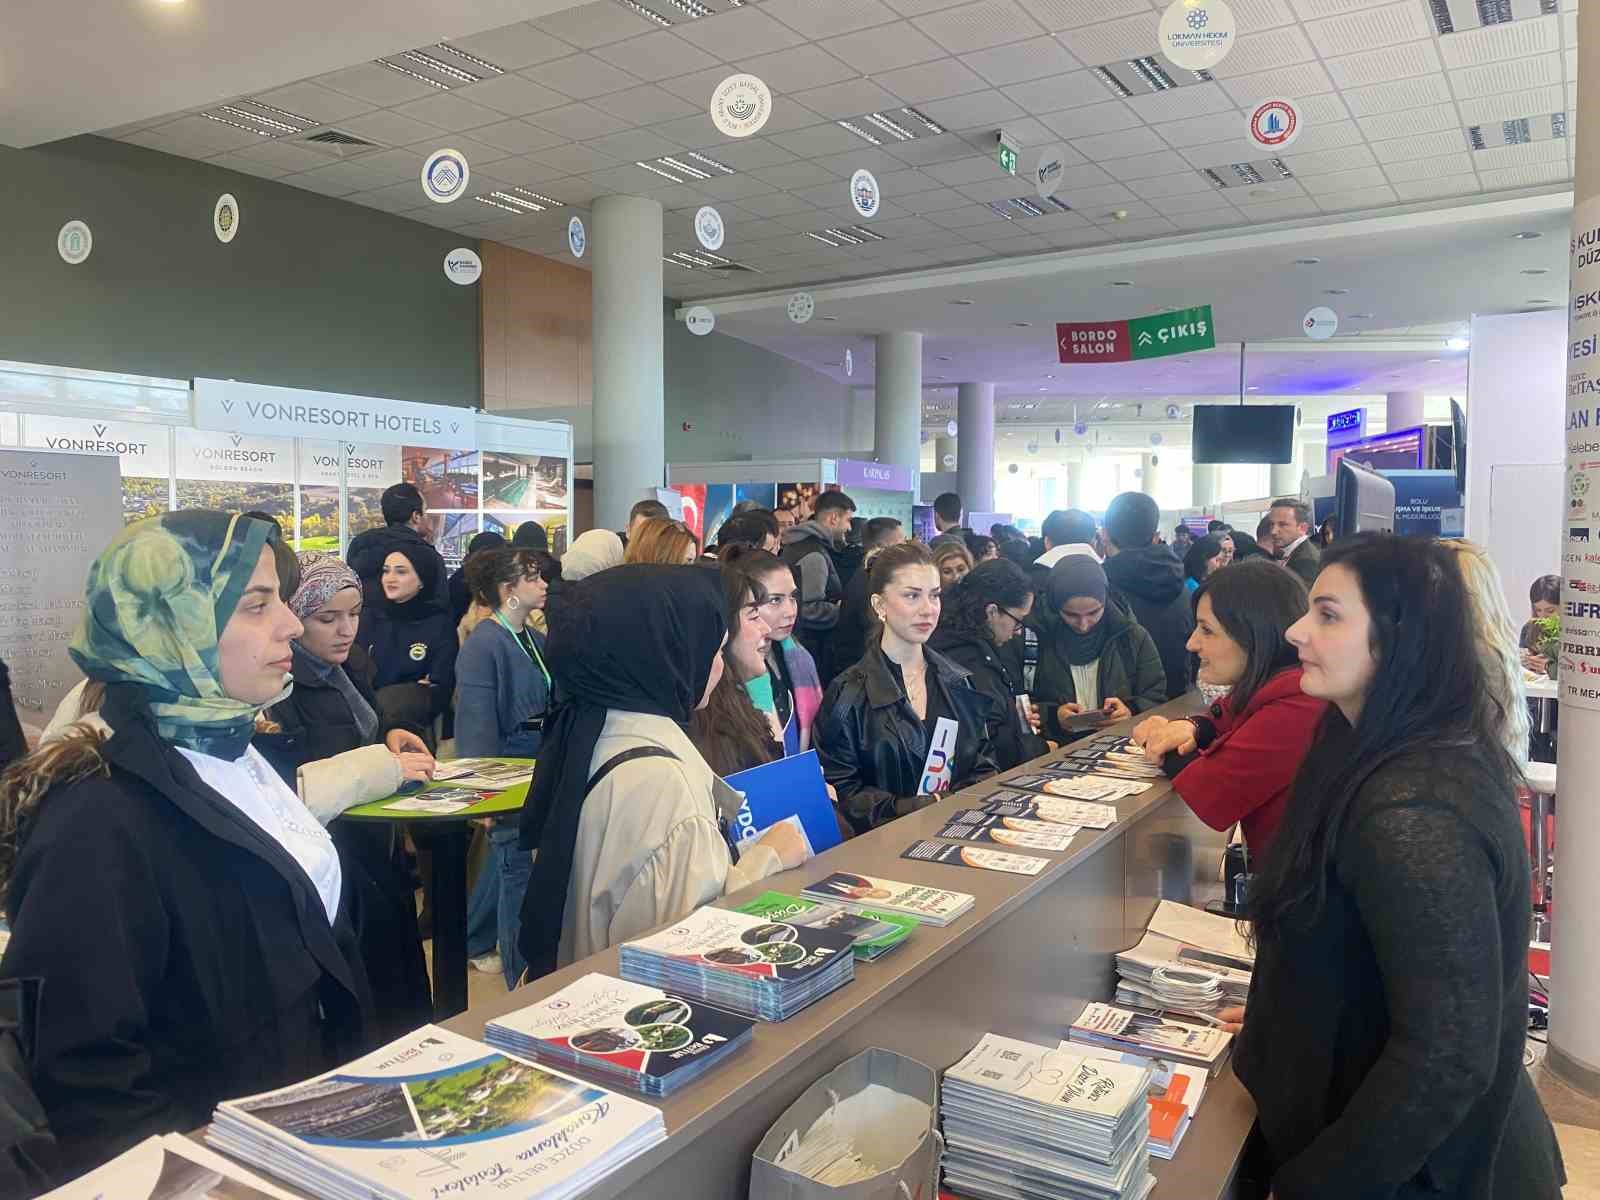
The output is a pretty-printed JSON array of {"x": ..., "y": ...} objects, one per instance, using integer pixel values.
[{"x": 1008, "y": 159}]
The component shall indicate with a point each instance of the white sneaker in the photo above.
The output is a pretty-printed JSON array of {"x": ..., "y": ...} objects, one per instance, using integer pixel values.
[{"x": 489, "y": 964}]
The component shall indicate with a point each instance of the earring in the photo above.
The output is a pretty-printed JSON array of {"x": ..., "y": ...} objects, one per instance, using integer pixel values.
[{"x": 513, "y": 603}]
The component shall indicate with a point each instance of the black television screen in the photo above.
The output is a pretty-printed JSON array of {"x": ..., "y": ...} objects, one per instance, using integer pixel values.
[
  {"x": 1244, "y": 433},
  {"x": 1363, "y": 501}
]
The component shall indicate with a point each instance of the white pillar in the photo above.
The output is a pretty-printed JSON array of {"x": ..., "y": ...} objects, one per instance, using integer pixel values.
[
  {"x": 1075, "y": 484},
  {"x": 1286, "y": 476},
  {"x": 629, "y": 427},
  {"x": 1403, "y": 410},
  {"x": 1150, "y": 473},
  {"x": 1575, "y": 949},
  {"x": 975, "y": 436},
  {"x": 1206, "y": 487},
  {"x": 946, "y": 454},
  {"x": 898, "y": 439}
]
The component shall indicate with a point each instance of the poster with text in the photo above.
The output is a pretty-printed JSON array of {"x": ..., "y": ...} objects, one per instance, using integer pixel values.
[
  {"x": 446, "y": 478},
  {"x": 1578, "y": 668},
  {"x": 372, "y": 468},
  {"x": 236, "y": 473},
  {"x": 142, "y": 451}
]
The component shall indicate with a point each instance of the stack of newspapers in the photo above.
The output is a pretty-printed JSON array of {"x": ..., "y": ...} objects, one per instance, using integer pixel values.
[
  {"x": 769, "y": 970},
  {"x": 626, "y": 1034},
  {"x": 1027, "y": 1122},
  {"x": 436, "y": 1114},
  {"x": 1189, "y": 962}
]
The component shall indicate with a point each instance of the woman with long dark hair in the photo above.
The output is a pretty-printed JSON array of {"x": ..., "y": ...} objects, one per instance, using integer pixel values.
[
  {"x": 1384, "y": 1036},
  {"x": 730, "y": 732},
  {"x": 1236, "y": 763},
  {"x": 1203, "y": 556},
  {"x": 985, "y": 613}
]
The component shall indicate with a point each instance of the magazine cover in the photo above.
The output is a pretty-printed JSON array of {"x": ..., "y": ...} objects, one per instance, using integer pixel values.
[
  {"x": 1060, "y": 1079},
  {"x": 875, "y": 933},
  {"x": 724, "y": 940},
  {"x": 168, "y": 1168},
  {"x": 434, "y": 1114},
  {"x": 1107, "y": 1025},
  {"x": 936, "y": 906}
]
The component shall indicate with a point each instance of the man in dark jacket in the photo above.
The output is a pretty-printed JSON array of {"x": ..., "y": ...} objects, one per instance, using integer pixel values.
[
  {"x": 1148, "y": 578},
  {"x": 404, "y": 515},
  {"x": 1289, "y": 527},
  {"x": 807, "y": 548},
  {"x": 856, "y": 622}
]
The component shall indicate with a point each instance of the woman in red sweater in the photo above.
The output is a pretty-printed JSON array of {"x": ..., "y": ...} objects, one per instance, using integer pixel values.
[{"x": 1236, "y": 763}]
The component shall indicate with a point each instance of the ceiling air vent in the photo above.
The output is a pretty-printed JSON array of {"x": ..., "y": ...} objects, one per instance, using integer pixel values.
[
  {"x": 1458, "y": 16},
  {"x": 1247, "y": 174},
  {"x": 1518, "y": 131},
  {"x": 336, "y": 143},
  {"x": 1145, "y": 76}
]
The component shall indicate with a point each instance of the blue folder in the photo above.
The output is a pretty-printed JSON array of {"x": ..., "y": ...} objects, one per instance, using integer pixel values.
[{"x": 786, "y": 788}]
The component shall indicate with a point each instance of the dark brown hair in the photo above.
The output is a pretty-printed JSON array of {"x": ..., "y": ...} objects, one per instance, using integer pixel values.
[
  {"x": 730, "y": 733},
  {"x": 488, "y": 569},
  {"x": 891, "y": 558}
]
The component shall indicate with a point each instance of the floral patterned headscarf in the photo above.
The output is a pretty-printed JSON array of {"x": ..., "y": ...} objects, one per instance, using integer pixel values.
[{"x": 157, "y": 601}]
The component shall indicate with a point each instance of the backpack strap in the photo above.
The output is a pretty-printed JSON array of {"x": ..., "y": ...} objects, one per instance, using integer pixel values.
[{"x": 627, "y": 756}]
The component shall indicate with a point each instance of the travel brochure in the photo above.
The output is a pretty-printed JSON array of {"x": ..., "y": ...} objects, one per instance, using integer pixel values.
[
  {"x": 974, "y": 856},
  {"x": 769, "y": 970},
  {"x": 1175, "y": 1094},
  {"x": 1149, "y": 1034},
  {"x": 1049, "y": 810},
  {"x": 487, "y": 774},
  {"x": 973, "y": 826},
  {"x": 439, "y": 802},
  {"x": 170, "y": 1167},
  {"x": 930, "y": 905},
  {"x": 875, "y": 932},
  {"x": 435, "y": 1114},
  {"x": 1022, "y": 1120},
  {"x": 630, "y": 1035}
]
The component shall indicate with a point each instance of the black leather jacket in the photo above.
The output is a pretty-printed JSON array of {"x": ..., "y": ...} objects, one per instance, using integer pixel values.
[{"x": 873, "y": 745}]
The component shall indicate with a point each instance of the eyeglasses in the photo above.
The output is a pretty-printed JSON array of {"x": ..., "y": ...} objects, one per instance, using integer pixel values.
[{"x": 1019, "y": 618}]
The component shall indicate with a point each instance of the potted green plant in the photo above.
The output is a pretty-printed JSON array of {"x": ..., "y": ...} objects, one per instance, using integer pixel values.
[{"x": 1549, "y": 644}]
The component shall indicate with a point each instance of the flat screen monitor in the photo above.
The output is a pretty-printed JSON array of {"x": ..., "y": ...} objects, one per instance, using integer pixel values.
[
  {"x": 1363, "y": 501},
  {"x": 1244, "y": 433}
]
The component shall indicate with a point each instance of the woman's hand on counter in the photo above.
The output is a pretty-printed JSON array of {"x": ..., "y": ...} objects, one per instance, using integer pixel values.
[
  {"x": 788, "y": 843},
  {"x": 1170, "y": 736},
  {"x": 1231, "y": 1018},
  {"x": 1146, "y": 729}
]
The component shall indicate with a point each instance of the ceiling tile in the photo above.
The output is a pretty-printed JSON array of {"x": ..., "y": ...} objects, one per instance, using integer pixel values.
[
  {"x": 868, "y": 158},
  {"x": 658, "y": 55},
  {"x": 735, "y": 187},
  {"x": 978, "y": 108},
  {"x": 524, "y": 172},
  {"x": 979, "y": 25},
  {"x": 1176, "y": 185},
  {"x": 1325, "y": 162},
  {"x": 791, "y": 176},
  {"x": 1439, "y": 167},
  {"x": 314, "y": 181},
  {"x": 195, "y": 137},
  {"x": 594, "y": 25},
  {"x": 936, "y": 80},
  {"x": 395, "y": 165},
  {"x": 1428, "y": 189},
  {"x": 746, "y": 154},
  {"x": 1002, "y": 188},
  {"x": 817, "y": 140},
  {"x": 967, "y": 216},
  {"x": 246, "y": 166},
  {"x": 1035, "y": 58},
  {"x": 1542, "y": 70},
  {"x": 1122, "y": 144},
  {"x": 389, "y": 128},
  {"x": 1553, "y": 150},
  {"x": 1092, "y": 119},
  {"x": 1072, "y": 90},
  {"x": 1282, "y": 210},
  {"x": 925, "y": 151},
  {"x": 797, "y": 69},
  {"x": 350, "y": 175},
  {"x": 1369, "y": 29},
  {"x": 1107, "y": 196},
  {"x": 1260, "y": 14},
  {"x": 449, "y": 112},
  {"x": 825, "y": 195},
  {"x": 1327, "y": 137},
  {"x": 825, "y": 18},
  {"x": 1192, "y": 101},
  {"x": 1210, "y": 218},
  {"x": 1384, "y": 66},
  {"x": 738, "y": 34},
  {"x": 1493, "y": 43},
  {"x": 1250, "y": 198},
  {"x": 1394, "y": 97},
  {"x": 517, "y": 137},
  {"x": 573, "y": 160},
  {"x": 1150, "y": 227},
  {"x": 376, "y": 85},
  {"x": 1056, "y": 15},
  {"x": 1430, "y": 119},
  {"x": 1219, "y": 154},
  {"x": 1322, "y": 108},
  {"x": 693, "y": 133},
  {"x": 631, "y": 145},
  {"x": 1028, "y": 131},
  {"x": 1263, "y": 51},
  {"x": 1198, "y": 131},
  {"x": 1310, "y": 10},
  {"x": 1167, "y": 206},
  {"x": 582, "y": 76},
  {"x": 282, "y": 155},
  {"x": 512, "y": 95},
  {"x": 477, "y": 153},
  {"x": 514, "y": 46},
  {"x": 1344, "y": 181},
  {"x": 396, "y": 197},
  {"x": 1302, "y": 79},
  {"x": 1511, "y": 105},
  {"x": 975, "y": 169},
  {"x": 696, "y": 88},
  {"x": 848, "y": 99},
  {"x": 1145, "y": 166},
  {"x": 915, "y": 8},
  {"x": 312, "y": 100},
  {"x": 645, "y": 105},
  {"x": 1363, "y": 198},
  {"x": 883, "y": 48},
  {"x": 1425, "y": 145},
  {"x": 1113, "y": 41}
]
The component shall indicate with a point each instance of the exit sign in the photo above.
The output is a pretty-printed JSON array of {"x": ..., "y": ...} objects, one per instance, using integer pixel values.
[{"x": 1008, "y": 158}]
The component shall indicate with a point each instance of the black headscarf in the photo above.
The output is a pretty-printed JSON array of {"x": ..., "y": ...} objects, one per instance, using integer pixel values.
[
  {"x": 426, "y": 563},
  {"x": 532, "y": 535},
  {"x": 638, "y": 638},
  {"x": 1080, "y": 575}
]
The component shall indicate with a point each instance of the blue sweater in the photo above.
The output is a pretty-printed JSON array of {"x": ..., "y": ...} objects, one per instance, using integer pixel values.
[{"x": 499, "y": 688}]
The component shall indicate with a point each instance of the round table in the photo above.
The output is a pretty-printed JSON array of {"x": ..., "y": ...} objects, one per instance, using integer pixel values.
[{"x": 447, "y": 835}]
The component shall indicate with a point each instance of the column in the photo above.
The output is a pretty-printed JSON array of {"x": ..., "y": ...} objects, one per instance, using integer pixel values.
[
  {"x": 1075, "y": 484},
  {"x": 975, "y": 435},
  {"x": 629, "y": 426},
  {"x": 1403, "y": 411},
  {"x": 1149, "y": 473},
  {"x": 1207, "y": 485},
  {"x": 946, "y": 454},
  {"x": 1286, "y": 476},
  {"x": 1575, "y": 950},
  {"x": 898, "y": 439}
]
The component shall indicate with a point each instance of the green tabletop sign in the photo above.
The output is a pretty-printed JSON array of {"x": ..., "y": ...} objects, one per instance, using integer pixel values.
[{"x": 1172, "y": 332}]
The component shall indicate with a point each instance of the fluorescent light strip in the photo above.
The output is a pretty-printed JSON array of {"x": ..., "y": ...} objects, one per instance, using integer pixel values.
[
  {"x": 439, "y": 65},
  {"x": 675, "y": 263},
  {"x": 1028, "y": 206},
  {"x": 649, "y": 14},
  {"x": 693, "y": 7},
  {"x": 540, "y": 197},
  {"x": 716, "y": 258},
  {"x": 710, "y": 162},
  {"x": 926, "y": 122},
  {"x": 860, "y": 132},
  {"x": 236, "y": 125},
  {"x": 848, "y": 238},
  {"x": 1060, "y": 204},
  {"x": 510, "y": 208},
  {"x": 1150, "y": 71},
  {"x": 863, "y": 231},
  {"x": 1247, "y": 173},
  {"x": 303, "y": 122},
  {"x": 655, "y": 170},
  {"x": 1281, "y": 167},
  {"x": 998, "y": 207},
  {"x": 1214, "y": 177},
  {"x": 826, "y": 241},
  {"x": 679, "y": 165},
  {"x": 893, "y": 129},
  {"x": 417, "y": 75},
  {"x": 269, "y": 122},
  {"x": 1111, "y": 81},
  {"x": 522, "y": 203},
  {"x": 471, "y": 58}
]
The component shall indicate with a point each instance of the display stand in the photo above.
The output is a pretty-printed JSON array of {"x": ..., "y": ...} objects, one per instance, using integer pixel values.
[{"x": 710, "y": 490}]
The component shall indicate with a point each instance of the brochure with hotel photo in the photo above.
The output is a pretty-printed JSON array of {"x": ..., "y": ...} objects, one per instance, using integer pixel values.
[{"x": 930, "y": 905}]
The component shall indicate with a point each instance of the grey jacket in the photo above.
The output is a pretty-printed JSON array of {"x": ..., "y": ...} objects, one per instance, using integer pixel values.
[
  {"x": 805, "y": 548},
  {"x": 498, "y": 688}
]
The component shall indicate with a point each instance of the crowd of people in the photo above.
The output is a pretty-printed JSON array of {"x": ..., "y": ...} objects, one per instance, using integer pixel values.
[{"x": 176, "y": 870}]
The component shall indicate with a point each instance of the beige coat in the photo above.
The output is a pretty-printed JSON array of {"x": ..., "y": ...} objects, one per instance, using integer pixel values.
[{"x": 649, "y": 849}]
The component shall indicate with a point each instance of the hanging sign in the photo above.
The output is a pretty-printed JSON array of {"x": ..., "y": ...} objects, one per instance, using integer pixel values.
[
  {"x": 740, "y": 105},
  {"x": 445, "y": 175},
  {"x": 864, "y": 194},
  {"x": 1176, "y": 332},
  {"x": 74, "y": 243},
  {"x": 708, "y": 228},
  {"x": 700, "y": 320},
  {"x": 801, "y": 306},
  {"x": 1051, "y": 168},
  {"x": 141, "y": 448},
  {"x": 1347, "y": 427},
  {"x": 463, "y": 266},
  {"x": 1196, "y": 34},
  {"x": 849, "y": 362},
  {"x": 225, "y": 217},
  {"x": 577, "y": 238},
  {"x": 1320, "y": 324},
  {"x": 1274, "y": 124},
  {"x": 228, "y": 406}
]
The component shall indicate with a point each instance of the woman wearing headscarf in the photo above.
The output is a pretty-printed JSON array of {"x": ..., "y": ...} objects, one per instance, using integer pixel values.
[
  {"x": 188, "y": 916},
  {"x": 1094, "y": 658},
  {"x": 329, "y": 743},
  {"x": 590, "y": 553},
  {"x": 631, "y": 825},
  {"x": 411, "y": 640}
]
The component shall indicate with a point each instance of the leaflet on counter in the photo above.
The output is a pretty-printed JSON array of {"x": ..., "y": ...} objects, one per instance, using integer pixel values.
[
  {"x": 975, "y": 856},
  {"x": 930, "y": 905}
]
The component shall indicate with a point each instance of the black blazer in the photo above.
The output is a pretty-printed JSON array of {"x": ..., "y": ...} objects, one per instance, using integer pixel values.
[
  {"x": 873, "y": 745},
  {"x": 186, "y": 957},
  {"x": 1306, "y": 562},
  {"x": 1383, "y": 1039},
  {"x": 995, "y": 673}
]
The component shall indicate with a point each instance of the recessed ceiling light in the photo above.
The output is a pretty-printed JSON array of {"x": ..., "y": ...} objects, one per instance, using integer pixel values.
[
  {"x": 1435, "y": 360},
  {"x": 1361, "y": 316},
  {"x": 1306, "y": 262},
  {"x": 1253, "y": 388},
  {"x": 944, "y": 358},
  {"x": 827, "y": 318},
  {"x": 1022, "y": 324},
  {"x": 1456, "y": 343},
  {"x": 1049, "y": 376},
  {"x": 1336, "y": 291},
  {"x": 1525, "y": 236},
  {"x": 1122, "y": 283},
  {"x": 1044, "y": 389},
  {"x": 1535, "y": 271},
  {"x": 963, "y": 303}
]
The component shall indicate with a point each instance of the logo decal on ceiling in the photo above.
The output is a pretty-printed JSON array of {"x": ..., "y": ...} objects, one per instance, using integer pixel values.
[
  {"x": 740, "y": 105},
  {"x": 1274, "y": 124},
  {"x": 445, "y": 175},
  {"x": 1320, "y": 324},
  {"x": 577, "y": 238},
  {"x": 463, "y": 266},
  {"x": 74, "y": 243},
  {"x": 700, "y": 320},
  {"x": 708, "y": 228},
  {"x": 1051, "y": 168},
  {"x": 225, "y": 218},
  {"x": 1196, "y": 34},
  {"x": 801, "y": 306},
  {"x": 864, "y": 194}
]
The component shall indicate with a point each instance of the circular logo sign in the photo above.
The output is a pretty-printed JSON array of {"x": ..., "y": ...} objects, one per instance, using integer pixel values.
[
  {"x": 445, "y": 175},
  {"x": 951, "y": 428},
  {"x": 1047, "y": 174},
  {"x": 74, "y": 242},
  {"x": 418, "y": 651},
  {"x": 708, "y": 228},
  {"x": 864, "y": 194},
  {"x": 225, "y": 217},
  {"x": 462, "y": 266},
  {"x": 849, "y": 362},
  {"x": 949, "y": 461},
  {"x": 740, "y": 105},
  {"x": 1320, "y": 324},
  {"x": 700, "y": 320},
  {"x": 801, "y": 306},
  {"x": 577, "y": 239},
  {"x": 1196, "y": 34},
  {"x": 1155, "y": 439},
  {"x": 1274, "y": 124},
  {"x": 1080, "y": 428}
]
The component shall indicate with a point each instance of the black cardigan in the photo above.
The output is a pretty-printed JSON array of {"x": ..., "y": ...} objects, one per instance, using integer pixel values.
[
  {"x": 997, "y": 678},
  {"x": 1383, "y": 1043},
  {"x": 186, "y": 957}
]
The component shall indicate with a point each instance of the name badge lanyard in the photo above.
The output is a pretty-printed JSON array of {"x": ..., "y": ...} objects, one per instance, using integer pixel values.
[{"x": 528, "y": 648}]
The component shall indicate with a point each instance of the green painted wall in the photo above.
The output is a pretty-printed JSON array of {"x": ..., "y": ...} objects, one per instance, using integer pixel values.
[{"x": 312, "y": 292}]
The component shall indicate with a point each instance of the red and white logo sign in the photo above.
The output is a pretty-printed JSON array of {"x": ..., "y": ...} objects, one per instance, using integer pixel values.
[{"x": 1274, "y": 124}]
